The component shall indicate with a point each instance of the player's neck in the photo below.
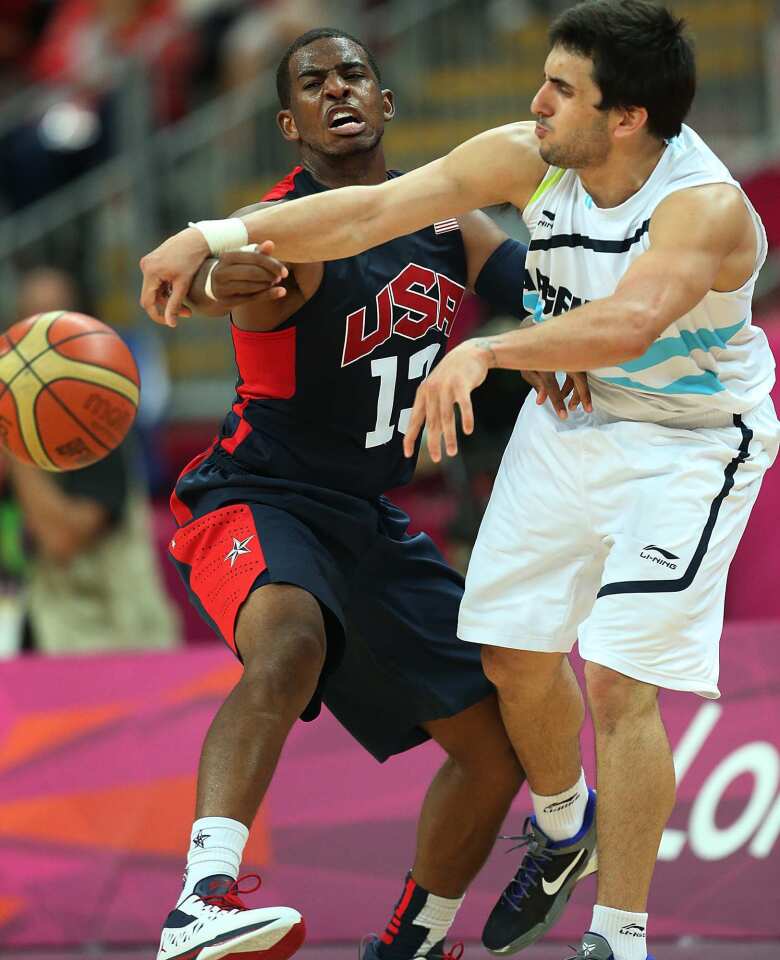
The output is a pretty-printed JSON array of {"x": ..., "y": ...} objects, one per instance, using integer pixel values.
[
  {"x": 621, "y": 176},
  {"x": 363, "y": 169}
]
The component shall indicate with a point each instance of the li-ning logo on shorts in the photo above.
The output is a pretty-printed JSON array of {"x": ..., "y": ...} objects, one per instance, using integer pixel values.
[
  {"x": 665, "y": 559},
  {"x": 633, "y": 930}
]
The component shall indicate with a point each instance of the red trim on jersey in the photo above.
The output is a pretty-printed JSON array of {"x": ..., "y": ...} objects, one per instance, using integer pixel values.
[
  {"x": 266, "y": 363},
  {"x": 242, "y": 431},
  {"x": 223, "y": 552},
  {"x": 266, "y": 366},
  {"x": 389, "y": 935},
  {"x": 181, "y": 512},
  {"x": 280, "y": 191}
]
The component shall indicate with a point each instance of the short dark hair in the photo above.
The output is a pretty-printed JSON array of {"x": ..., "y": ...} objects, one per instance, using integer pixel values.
[
  {"x": 642, "y": 56},
  {"x": 283, "y": 86}
]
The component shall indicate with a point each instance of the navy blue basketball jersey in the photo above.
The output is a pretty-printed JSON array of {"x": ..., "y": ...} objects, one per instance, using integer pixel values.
[{"x": 325, "y": 398}]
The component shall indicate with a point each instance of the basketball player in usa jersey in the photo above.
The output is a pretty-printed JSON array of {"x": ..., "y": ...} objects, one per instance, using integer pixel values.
[
  {"x": 617, "y": 525},
  {"x": 291, "y": 552}
]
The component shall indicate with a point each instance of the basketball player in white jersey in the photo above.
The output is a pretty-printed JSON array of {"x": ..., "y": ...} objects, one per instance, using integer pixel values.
[{"x": 615, "y": 525}]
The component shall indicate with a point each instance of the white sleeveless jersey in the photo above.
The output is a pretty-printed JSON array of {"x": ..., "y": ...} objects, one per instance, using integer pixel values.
[{"x": 710, "y": 360}]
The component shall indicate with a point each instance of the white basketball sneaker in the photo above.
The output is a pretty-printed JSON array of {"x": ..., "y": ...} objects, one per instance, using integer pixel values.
[{"x": 213, "y": 923}]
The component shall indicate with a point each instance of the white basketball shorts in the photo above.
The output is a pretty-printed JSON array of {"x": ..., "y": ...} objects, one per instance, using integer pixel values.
[{"x": 620, "y": 533}]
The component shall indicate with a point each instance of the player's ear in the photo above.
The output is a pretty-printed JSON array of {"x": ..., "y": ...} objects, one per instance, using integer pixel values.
[
  {"x": 388, "y": 101},
  {"x": 287, "y": 125},
  {"x": 630, "y": 121}
]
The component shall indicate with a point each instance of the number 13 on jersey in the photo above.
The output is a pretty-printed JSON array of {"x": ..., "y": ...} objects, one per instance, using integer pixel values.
[{"x": 386, "y": 370}]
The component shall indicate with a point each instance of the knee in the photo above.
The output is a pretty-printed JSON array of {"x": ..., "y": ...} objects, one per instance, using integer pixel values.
[
  {"x": 520, "y": 673},
  {"x": 283, "y": 658},
  {"x": 496, "y": 772},
  {"x": 478, "y": 747},
  {"x": 297, "y": 654},
  {"x": 501, "y": 666},
  {"x": 615, "y": 698}
]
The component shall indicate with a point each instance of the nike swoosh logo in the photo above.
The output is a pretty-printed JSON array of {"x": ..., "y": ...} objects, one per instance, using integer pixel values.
[{"x": 552, "y": 888}]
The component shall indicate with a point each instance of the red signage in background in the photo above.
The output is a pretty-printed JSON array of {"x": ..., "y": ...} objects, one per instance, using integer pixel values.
[{"x": 97, "y": 764}]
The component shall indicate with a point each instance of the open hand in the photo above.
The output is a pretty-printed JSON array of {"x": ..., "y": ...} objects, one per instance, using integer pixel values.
[{"x": 450, "y": 384}]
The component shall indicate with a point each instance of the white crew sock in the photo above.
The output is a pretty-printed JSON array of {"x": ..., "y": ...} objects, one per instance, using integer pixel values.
[
  {"x": 561, "y": 816},
  {"x": 417, "y": 908},
  {"x": 216, "y": 847},
  {"x": 437, "y": 916},
  {"x": 625, "y": 932}
]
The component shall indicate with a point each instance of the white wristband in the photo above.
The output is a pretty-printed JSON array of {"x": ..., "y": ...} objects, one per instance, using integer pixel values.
[
  {"x": 207, "y": 288},
  {"x": 220, "y": 235}
]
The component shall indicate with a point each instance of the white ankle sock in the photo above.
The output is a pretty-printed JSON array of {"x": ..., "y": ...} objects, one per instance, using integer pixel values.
[
  {"x": 561, "y": 815},
  {"x": 625, "y": 932},
  {"x": 437, "y": 916},
  {"x": 216, "y": 846}
]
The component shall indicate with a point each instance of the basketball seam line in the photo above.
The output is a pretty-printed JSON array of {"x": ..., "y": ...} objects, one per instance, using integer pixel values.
[
  {"x": 75, "y": 336},
  {"x": 67, "y": 410},
  {"x": 25, "y": 362}
]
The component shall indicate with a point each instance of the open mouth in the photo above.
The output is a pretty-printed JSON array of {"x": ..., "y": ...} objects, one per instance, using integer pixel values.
[{"x": 345, "y": 122}]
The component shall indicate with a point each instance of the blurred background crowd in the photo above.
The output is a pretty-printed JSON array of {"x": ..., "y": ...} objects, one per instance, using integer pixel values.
[{"x": 120, "y": 120}]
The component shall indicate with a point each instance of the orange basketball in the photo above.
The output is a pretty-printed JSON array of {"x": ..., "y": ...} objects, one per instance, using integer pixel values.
[{"x": 69, "y": 390}]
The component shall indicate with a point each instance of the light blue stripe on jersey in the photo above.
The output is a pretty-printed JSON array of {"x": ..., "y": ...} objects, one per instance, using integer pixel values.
[
  {"x": 688, "y": 341},
  {"x": 706, "y": 383}
]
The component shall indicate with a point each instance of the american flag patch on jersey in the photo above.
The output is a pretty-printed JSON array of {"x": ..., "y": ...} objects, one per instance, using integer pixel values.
[{"x": 446, "y": 226}]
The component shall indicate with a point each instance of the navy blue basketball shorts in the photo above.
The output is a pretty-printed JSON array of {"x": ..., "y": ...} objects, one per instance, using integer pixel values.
[{"x": 389, "y": 600}]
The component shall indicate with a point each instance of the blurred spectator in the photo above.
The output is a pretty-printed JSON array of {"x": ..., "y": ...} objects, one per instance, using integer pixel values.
[
  {"x": 21, "y": 22},
  {"x": 86, "y": 42},
  {"x": 257, "y": 36},
  {"x": 80, "y": 59},
  {"x": 75, "y": 547}
]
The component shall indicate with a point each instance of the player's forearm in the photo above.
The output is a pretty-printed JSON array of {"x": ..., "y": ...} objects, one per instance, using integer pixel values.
[
  {"x": 342, "y": 223},
  {"x": 328, "y": 226},
  {"x": 599, "y": 334}
]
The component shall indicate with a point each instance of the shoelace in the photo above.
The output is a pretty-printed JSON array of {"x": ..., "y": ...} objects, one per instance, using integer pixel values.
[
  {"x": 531, "y": 868},
  {"x": 456, "y": 951},
  {"x": 579, "y": 955},
  {"x": 230, "y": 900}
]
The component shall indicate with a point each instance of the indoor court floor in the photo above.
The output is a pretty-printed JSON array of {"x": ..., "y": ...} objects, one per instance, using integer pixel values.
[{"x": 699, "y": 950}]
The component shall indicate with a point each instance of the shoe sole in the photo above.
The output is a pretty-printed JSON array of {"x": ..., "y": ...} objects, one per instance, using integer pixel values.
[
  {"x": 553, "y": 914},
  {"x": 275, "y": 942}
]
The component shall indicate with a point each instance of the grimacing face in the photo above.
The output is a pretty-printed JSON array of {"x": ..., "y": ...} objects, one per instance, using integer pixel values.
[
  {"x": 337, "y": 106},
  {"x": 572, "y": 131}
]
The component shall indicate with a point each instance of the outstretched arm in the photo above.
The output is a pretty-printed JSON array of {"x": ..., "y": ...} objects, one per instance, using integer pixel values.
[
  {"x": 497, "y": 166},
  {"x": 701, "y": 239}
]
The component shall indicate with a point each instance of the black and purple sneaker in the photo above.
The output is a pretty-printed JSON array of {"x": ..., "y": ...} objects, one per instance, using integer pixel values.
[{"x": 534, "y": 900}]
